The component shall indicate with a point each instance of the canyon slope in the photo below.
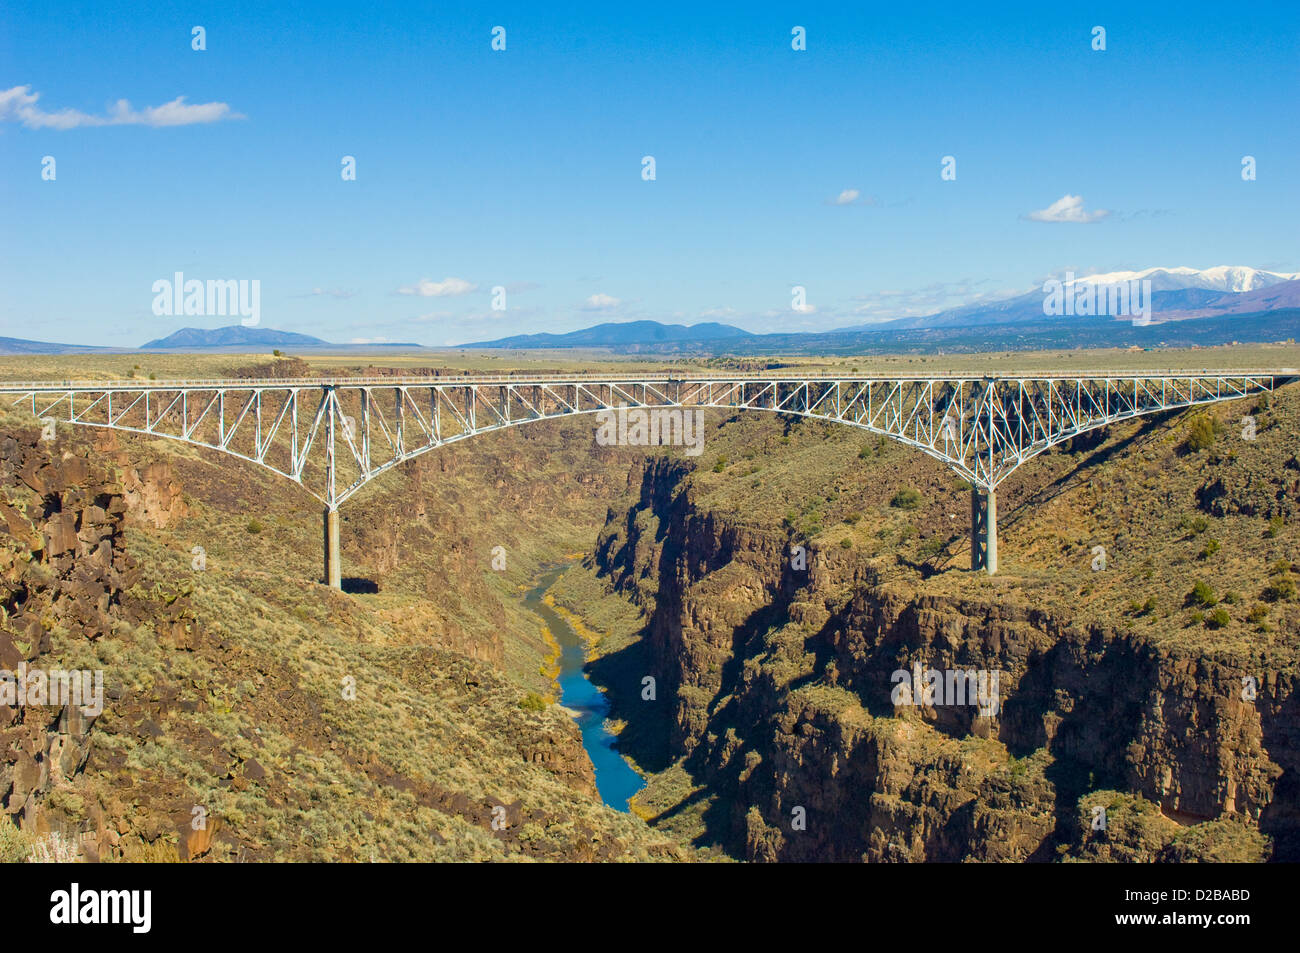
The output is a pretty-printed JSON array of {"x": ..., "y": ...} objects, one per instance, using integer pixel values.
[
  {"x": 404, "y": 721},
  {"x": 783, "y": 579},
  {"x": 749, "y": 611}
]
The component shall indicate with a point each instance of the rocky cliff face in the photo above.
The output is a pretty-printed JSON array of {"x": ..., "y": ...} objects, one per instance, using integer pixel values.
[
  {"x": 63, "y": 568},
  {"x": 219, "y": 672},
  {"x": 779, "y": 684},
  {"x": 522, "y": 490}
]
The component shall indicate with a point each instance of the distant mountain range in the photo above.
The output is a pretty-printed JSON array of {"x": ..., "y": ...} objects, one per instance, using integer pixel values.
[
  {"x": 1176, "y": 294},
  {"x": 234, "y": 336},
  {"x": 21, "y": 346},
  {"x": 1188, "y": 306},
  {"x": 622, "y": 335},
  {"x": 233, "y": 339},
  {"x": 1234, "y": 278}
]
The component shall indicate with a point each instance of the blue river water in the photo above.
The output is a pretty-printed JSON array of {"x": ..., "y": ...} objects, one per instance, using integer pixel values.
[{"x": 615, "y": 779}]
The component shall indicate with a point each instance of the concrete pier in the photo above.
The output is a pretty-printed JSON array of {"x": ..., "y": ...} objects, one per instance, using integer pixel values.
[{"x": 333, "y": 571}]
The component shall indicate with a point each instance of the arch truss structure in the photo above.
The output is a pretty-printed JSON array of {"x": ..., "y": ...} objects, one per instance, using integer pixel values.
[{"x": 333, "y": 436}]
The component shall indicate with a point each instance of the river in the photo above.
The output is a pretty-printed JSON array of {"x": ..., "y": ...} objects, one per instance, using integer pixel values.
[{"x": 615, "y": 779}]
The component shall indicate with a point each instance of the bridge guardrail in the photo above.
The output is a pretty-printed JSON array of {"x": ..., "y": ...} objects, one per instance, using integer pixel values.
[{"x": 430, "y": 381}]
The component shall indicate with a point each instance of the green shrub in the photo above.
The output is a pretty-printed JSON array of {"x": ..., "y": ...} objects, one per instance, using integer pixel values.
[
  {"x": 1211, "y": 547},
  {"x": 254, "y": 526},
  {"x": 1274, "y": 528},
  {"x": 846, "y": 543},
  {"x": 906, "y": 499},
  {"x": 1201, "y": 433},
  {"x": 1258, "y": 613},
  {"x": 1283, "y": 587},
  {"x": 1219, "y": 618},
  {"x": 533, "y": 702},
  {"x": 15, "y": 845},
  {"x": 1202, "y": 595}
]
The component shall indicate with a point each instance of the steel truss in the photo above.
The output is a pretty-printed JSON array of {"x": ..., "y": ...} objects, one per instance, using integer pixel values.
[{"x": 334, "y": 436}]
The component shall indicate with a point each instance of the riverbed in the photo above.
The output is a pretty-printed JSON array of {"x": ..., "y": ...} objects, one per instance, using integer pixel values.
[{"x": 615, "y": 779}]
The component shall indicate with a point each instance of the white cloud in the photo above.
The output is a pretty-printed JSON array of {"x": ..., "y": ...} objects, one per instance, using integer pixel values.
[
  {"x": 1068, "y": 208},
  {"x": 369, "y": 341},
  {"x": 855, "y": 197},
  {"x": 929, "y": 299},
  {"x": 19, "y": 105},
  {"x": 601, "y": 302},
  {"x": 448, "y": 287}
]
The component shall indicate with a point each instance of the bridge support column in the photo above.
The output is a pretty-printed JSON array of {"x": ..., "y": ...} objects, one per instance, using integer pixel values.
[
  {"x": 333, "y": 570},
  {"x": 984, "y": 531}
]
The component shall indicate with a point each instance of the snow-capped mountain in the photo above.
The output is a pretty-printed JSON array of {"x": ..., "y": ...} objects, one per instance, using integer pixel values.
[
  {"x": 1176, "y": 293},
  {"x": 1234, "y": 278}
]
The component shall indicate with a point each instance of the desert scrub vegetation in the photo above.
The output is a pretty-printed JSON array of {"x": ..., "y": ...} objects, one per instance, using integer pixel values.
[
  {"x": 1218, "y": 618},
  {"x": 15, "y": 844},
  {"x": 1281, "y": 586},
  {"x": 1202, "y": 431},
  {"x": 293, "y": 769},
  {"x": 907, "y": 498},
  {"x": 1202, "y": 595},
  {"x": 532, "y": 702}
]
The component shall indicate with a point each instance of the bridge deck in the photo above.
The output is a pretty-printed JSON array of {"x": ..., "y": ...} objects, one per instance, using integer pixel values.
[{"x": 783, "y": 376}]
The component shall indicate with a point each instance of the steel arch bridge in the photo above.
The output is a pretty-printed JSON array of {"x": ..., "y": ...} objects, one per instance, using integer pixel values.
[{"x": 333, "y": 436}]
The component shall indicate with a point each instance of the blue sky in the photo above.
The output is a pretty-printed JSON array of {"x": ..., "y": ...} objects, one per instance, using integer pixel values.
[{"x": 522, "y": 168}]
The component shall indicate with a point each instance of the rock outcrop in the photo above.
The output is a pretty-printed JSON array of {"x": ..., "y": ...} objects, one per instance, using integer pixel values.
[
  {"x": 780, "y": 688},
  {"x": 63, "y": 570}
]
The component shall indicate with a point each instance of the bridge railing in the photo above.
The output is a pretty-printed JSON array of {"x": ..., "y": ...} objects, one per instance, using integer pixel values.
[{"x": 655, "y": 377}]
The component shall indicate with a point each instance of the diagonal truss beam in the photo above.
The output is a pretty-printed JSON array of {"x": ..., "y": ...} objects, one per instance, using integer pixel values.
[{"x": 356, "y": 429}]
